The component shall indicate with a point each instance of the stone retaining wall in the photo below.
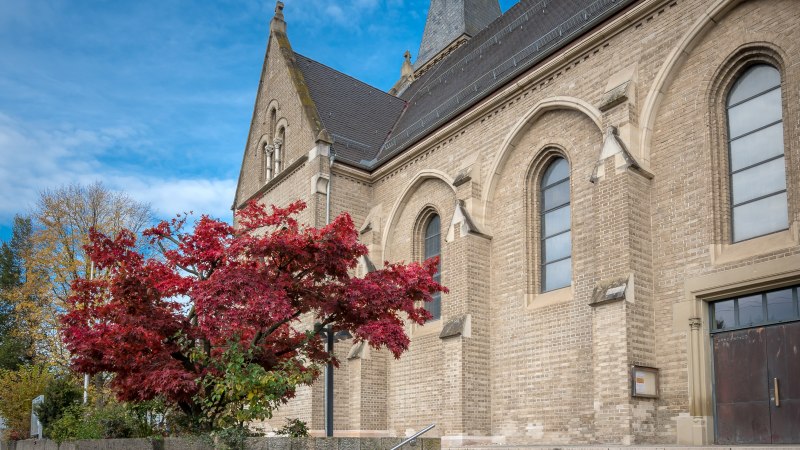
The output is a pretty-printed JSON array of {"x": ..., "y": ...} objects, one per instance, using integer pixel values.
[{"x": 272, "y": 443}]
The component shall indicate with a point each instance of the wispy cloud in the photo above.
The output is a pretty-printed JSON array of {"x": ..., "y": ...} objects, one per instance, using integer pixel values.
[{"x": 36, "y": 159}]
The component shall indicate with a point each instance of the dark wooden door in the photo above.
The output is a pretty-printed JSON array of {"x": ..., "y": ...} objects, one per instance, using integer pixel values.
[
  {"x": 757, "y": 385},
  {"x": 783, "y": 361},
  {"x": 741, "y": 389}
]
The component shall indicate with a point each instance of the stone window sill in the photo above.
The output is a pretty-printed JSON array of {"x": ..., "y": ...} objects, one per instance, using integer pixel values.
[
  {"x": 541, "y": 300},
  {"x": 434, "y": 327},
  {"x": 726, "y": 253}
]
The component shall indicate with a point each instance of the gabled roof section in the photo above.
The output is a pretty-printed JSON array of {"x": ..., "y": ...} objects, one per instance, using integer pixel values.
[
  {"x": 525, "y": 35},
  {"x": 356, "y": 115}
]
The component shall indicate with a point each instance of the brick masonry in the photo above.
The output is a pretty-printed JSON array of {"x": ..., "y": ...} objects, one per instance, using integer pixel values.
[{"x": 535, "y": 368}]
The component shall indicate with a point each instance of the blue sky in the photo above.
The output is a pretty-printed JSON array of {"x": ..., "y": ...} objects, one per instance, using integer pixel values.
[{"x": 154, "y": 97}]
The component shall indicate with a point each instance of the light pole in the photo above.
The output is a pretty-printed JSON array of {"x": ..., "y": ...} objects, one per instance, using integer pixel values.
[{"x": 330, "y": 339}]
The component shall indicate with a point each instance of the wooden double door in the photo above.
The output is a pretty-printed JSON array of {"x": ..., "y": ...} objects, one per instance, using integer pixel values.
[{"x": 757, "y": 385}]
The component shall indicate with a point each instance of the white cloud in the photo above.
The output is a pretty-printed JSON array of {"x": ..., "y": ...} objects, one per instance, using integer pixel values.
[
  {"x": 32, "y": 160},
  {"x": 170, "y": 197}
]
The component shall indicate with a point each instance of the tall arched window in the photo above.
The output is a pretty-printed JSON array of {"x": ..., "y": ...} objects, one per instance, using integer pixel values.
[
  {"x": 433, "y": 247},
  {"x": 556, "y": 249},
  {"x": 757, "y": 164},
  {"x": 273, "y": 120},
  {"x": 280, "y": 150}
]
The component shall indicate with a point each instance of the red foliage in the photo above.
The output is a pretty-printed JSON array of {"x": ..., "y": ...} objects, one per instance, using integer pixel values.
[{"x": 249, "y": 285}]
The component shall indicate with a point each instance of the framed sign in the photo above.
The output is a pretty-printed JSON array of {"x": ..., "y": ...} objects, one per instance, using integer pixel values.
[{"x": 644, "y": 382}]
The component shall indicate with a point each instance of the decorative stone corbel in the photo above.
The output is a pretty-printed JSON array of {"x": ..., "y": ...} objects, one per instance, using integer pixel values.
[
  {"x": 618, "y": 105},
  {"x": 467, "y": 183},
  {"x": 614, "y": 147},
  {"x": 359, "y": 351},
  {"x": 461, "y": 223},
  {"x": 613, "y": 290},
  {"x": 459, "y": 326},
  {"x": 370, "y": 235}
]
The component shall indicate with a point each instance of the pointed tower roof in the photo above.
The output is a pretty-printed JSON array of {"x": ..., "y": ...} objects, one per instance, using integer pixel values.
[{"x": 451, "y": 22}]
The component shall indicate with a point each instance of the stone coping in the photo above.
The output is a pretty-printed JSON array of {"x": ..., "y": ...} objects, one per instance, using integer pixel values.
[{"x": 266, "y": 443}]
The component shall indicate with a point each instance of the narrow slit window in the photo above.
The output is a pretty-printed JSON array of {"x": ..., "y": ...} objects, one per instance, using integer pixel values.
[
  {"x": 433, "y": 248},
  {"x": 556, "y": 233}
]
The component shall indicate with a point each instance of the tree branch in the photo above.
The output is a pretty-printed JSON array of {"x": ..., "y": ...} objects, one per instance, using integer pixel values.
[{"x": 262, "y": 334}]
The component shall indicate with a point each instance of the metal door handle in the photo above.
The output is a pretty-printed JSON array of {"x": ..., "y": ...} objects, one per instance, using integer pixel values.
[{"x": 777, "y": 392}]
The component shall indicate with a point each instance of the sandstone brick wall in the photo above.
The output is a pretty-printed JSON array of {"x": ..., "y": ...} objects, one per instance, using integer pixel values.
[
  {"x": 275, "y": 89},
  {"x": 551, "y": 368}
]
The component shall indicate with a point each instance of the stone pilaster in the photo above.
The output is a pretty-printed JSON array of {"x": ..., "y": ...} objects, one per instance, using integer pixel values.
[
  {"x": 622, "y": 326},
  {"x": 465, "y": 335}
]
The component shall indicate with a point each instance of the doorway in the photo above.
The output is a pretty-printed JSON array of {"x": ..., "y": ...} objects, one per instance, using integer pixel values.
[{"x": 757, "y": 368}]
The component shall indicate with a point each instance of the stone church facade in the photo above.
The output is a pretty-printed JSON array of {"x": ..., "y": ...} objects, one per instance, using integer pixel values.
[{"x": 612, "y": 187}]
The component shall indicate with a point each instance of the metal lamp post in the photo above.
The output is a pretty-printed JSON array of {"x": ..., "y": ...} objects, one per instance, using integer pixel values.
[{"x": 330, "y": 339}]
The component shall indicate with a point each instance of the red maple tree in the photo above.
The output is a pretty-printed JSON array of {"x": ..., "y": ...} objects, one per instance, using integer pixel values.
[{"x": 231, "y": 316}]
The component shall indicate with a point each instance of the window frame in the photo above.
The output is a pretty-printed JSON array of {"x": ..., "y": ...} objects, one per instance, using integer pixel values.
[
  {"x": 731, "y": 84},
  {"x": 536, "y": 296},
  {"x": 724, "y": 249},
  {"x": 437, "y": 297},
  {"x": 543, "y": 262}
]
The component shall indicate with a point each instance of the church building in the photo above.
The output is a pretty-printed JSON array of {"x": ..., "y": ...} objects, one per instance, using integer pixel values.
[{"x": 613, "y": 189}]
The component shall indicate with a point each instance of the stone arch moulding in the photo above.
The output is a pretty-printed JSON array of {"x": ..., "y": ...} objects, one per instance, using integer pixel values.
[
  {"x": 672, "y": 66},
  {"x": 282, "y": 123},
  {"x": 400, "y": 204},
  {"x": 510, "y": 142},
  {"x": 273, "y": 104}
]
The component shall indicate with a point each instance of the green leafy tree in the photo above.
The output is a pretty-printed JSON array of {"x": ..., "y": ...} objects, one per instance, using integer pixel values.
[
  {"x": 18, "y": 388},
  {"x": 16, "y": 343}
]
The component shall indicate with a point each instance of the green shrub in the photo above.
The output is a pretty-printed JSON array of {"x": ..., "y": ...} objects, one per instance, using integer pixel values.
[
  {"x": 60, "y": 394},
  {"x": 115, "y": 421},
  {"x": 295, "y": 428},
  {"x": 74, "y": 424}
]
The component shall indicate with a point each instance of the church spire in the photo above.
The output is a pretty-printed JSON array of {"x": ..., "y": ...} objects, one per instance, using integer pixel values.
[{"x": 450, "y": 23}]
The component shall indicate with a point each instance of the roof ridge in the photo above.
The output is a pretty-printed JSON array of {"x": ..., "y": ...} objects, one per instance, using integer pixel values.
[{"x": 351, "y": 77}]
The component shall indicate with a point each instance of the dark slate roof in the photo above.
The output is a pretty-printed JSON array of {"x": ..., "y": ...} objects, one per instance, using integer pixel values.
[
  {"x": 526, "y": 34},
  {"x": 360, "y": 117},
  {"x": 357, "y": 115}
]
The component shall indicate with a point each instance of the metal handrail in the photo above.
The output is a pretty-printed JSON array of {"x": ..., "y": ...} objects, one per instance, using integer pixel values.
[{"x": 414, "y": 436}]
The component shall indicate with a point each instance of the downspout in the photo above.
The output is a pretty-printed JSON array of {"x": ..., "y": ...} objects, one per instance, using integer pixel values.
[
  {"x": 329, "y": 335},
  {"x": 331, "y": 159}
]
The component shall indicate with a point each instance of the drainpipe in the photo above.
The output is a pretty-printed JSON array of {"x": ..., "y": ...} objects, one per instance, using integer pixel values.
[{"x": 329, "y": 334}]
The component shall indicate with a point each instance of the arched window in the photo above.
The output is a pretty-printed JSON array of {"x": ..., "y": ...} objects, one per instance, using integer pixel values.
[
  {"x": 280, "y": 150},
  {"x": 556, "y": 249},
  {"x": 273, "y": 120},
  {"x": 433, "y": 247},
  {"x": 757, "y": 164}
]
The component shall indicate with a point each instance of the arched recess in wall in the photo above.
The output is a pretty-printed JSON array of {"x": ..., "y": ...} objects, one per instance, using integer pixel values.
[
  {"x": 517, "y": 133},
  {"x": 260, "y": 157},
  {"x": 672, "y": 66},
  {"x": 723, "y": 80},
  {"x": 272, "y": 116},
  {"x": 402, "y": 200}
]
